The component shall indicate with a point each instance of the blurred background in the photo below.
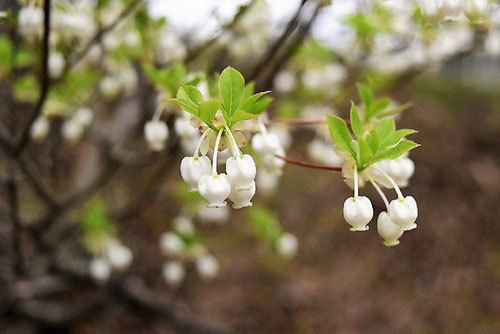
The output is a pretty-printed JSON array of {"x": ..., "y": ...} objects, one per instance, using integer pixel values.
[{"x": 444, "y": 277}]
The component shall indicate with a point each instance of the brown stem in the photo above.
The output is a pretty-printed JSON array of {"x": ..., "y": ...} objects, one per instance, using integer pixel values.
[{"x": 308, "y": 164}]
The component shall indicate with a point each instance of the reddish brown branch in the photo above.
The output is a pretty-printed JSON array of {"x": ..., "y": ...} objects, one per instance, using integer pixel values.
[{"x": 308, "y": 164}]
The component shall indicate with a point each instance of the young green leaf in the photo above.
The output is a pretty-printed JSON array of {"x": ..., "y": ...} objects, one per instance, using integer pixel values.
[
  {"x": 365, "y": 152},
  {"x": 249, "y": 90},
  {"x": 194, "y": 94},
  {"x": 264, "y": 223},
  {"x": 384, "y": 128},
  {"x": 231, "y": 87},
  {"x": 241, "y": 115},
  {"x": 356, "y": 125},
  {"x": 395, "y": 137},
  {"x": 396, "y": 151},
  {"x": 340, "y": 133},
  {"x": 260, "y": 106},
  {"x": 372, "y": 140},
  {"x": 366, "y": 95},
  {"x": 185, "y": 102},
  {"x": 208, "y": 109},
  {"x": 377, "y": 107},
  {"x": 395, "y": 110}
]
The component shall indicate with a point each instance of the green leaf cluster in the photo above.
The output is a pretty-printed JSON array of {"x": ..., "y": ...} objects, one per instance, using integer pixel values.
[
  {"x": 237, "y": 100},
  {"x": 94, "y": 219},
  {"x": 372, "y": 109},
  {"x": 169, "y": 79},
  {"x": 379, "y": 141}
]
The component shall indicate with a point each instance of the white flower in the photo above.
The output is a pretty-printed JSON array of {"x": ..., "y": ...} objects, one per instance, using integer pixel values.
[
  {"x": 156, "y": 133},
  {"x": 110, "y": 41},
  {"x": 213, "y": 215},
  {"x": 404, "y": 212},
  {"x": 287, "y": 244},
  {"x": 127, "y": 77},
  {"x": 284, "y": 81},
  {"x": 193, "y": 168},
  {"x": 241, "y": 197},
  {"x": 173, "y": 273},
  {"x": 265, "y": 143},
  {"x": 83, "y": 115},
  {"x": 183, "y": 224},
  {"x": 30, "y": 20},
  {"x": 207, "y": 266},
  {"x": 131, "y": 39},
  {"x": 272, "y": 163},
  {"x": 100, "y": 269},
  {"x": 241, "y": 171},
  {"x": 430, "y": 10},
  {"x": 320, "y": 152},
  {"x": 56, "y": 64},
  {"x": 40, "y": 128},
  {"x": 284, "y": 137},
  {"x": 183, "y": 128},
  {"x": 118, "y": 255},
  {"x": 358, "y": 212},
  {"x": 214, "y": 189},
  {"x": 475, "y": 9},
  {"x": 109, "y": 87},
  {"x": 451, "y": 8},
  {"x": 400, "y": 169},
  {"x": 171, "y": 244},
  {"x": 267, "y": 182},
  {"x": 492, "y": 43},
  {"x": 72, "y": 130},
  {"x": 388, "y": 230}
]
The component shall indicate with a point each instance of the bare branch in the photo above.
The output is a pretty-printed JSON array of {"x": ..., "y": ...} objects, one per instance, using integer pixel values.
[{"x": 308, "y": 164}]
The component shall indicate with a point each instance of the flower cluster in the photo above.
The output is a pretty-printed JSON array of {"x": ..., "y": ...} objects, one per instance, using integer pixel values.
[
  {"x": 112, "y": 255},
  {"x": 182, "y": 246},
  {"x": 378, "y": 155}
]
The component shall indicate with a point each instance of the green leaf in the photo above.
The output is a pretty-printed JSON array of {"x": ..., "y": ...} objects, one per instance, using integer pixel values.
[
  {"x": 395, "y": 110},
  {"x": 241, "y": 115},
  {"x": 372, "y": 140},
  {"x": 355, "y": 148},
  {"x": 249, "y": 90},
  {"x": 260, "y": 106},
  {"x": 231, "y": 87},
  {"x": 396, "y": 136},
  {"x": 377, "y": 107},
  {"x": 193, "y": 94},
  {"x": 384, "y": 128},
  {"x": 208, "y": 109},
  {"x": 340, "y": 133},
  {"x": 94, "y": 217},
  {"x": 356, "y": 125},
  {"x": 365, "y": 152},
  {"x": 396, "y": 151},
  {"x": 5, "y": 55},
  {"x": 24, "y": 58},
  {"x": 265, "y": 224},
  {"x": 366, "y": 95}
]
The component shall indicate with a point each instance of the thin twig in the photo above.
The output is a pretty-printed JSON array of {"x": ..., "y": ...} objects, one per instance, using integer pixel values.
[
  {"x": 16, "y": 225},
  {"x": 308, "y": 164},
  {"x": 44, "y": 78}
]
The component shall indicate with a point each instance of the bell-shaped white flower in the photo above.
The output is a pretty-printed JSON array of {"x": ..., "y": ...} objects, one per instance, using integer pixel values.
[
  {"x": 241, "y": 171},
  {"x": 40, "y": 128},
  {"x": 320, "y": 152},
  {"x": 156, "y": 133},
  {"x": 265, "y": 143},
  {"x": 56, "y": 64},
  {"x": 193, "y": 168},
  {"x": 171, "y": 244},
  {"x": 267, "y": 182},
  {"x": 242, "y": 197},
  {"x": 207, "y": 266},
  {"x": 109, "y": 87},
  {"x": 358, "y": 212},
  {"x": 388, "y": 230},
  {"x": 430, "y": 10},
  {"x": 100, "y": 269},
  {"x": 214, "y": 189},
  {"x": 287, "y": 245},
  {"x": 30, "y": 20},
  {"x": 118, "y": 255},
  {"x": 404, "y": 212},
  {"x": 183, "y": 225},
  {"x": 475, "y": 10},
  {"x": 451, "y": 8},
  {"x": 173, "y": 273},
  {"x": 284, "y": 81},
  {"x": 272, "y": 163},
  {"x": 184, "y": 128}
]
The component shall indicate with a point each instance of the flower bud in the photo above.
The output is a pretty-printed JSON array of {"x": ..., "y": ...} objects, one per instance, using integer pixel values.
[
  {"x": 183, "y": 225},
  {"x": 451, "y": 8},
  {"x": 171, "y": 244},
  {"x": 156, "y": 133},
  {"x": 100, "y": 269},
  {"x": 287, "y": 245},
  {"x": 183, "y": 128},
  {"x": 404, "y": 212},
  {"x": 272, "y": 163},
  {"x": 358, "y": 212},
  {"x": 193, "y": 168},
  {"x": 241, "y": 171},
  {"x": 215, "y": 189},
  {"x": 265, "y": 143},
  {"x": 40, "y": 128},
  {"x": 173, "y": 273},
  {"x": 118, "y": 255},
  {"x": 207, "y": 266},
  {"x": 388, "y": 230},
  {"x": 241, "y": 197}
]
